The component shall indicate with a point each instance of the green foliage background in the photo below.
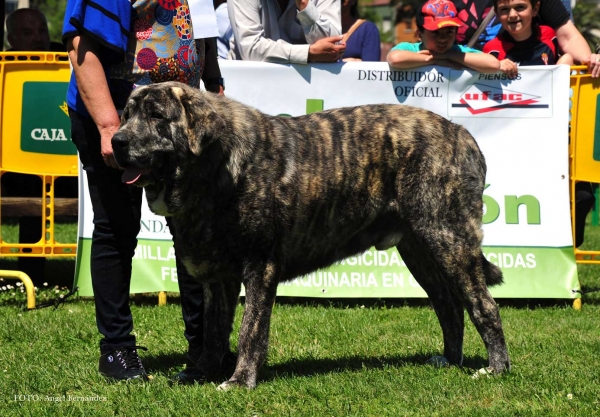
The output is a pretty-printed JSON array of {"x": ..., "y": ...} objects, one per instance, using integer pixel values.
[
  {"x": 587, "y": 19},
  {"x": 55, "y": 13}
]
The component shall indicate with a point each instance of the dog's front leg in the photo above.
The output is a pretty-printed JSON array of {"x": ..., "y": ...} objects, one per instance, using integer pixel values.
[
  {"x": 220, "y": 300},
  {"x": 261, "y": 288}
]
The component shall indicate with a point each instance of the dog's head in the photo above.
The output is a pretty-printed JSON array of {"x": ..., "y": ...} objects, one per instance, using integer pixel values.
[{"x": 164, "y": 127}]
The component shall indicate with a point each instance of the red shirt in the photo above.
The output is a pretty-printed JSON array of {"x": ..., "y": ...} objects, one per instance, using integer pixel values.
[{"x": 540, "y": 49}]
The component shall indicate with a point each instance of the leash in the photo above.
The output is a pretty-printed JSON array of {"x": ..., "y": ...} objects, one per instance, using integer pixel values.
[{"x": 57, "y": 302}]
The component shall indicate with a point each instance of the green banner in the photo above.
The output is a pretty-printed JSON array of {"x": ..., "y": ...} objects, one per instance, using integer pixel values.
[
  {"x": 45, "y": 124},
  {"x": 373, "y": 274}
]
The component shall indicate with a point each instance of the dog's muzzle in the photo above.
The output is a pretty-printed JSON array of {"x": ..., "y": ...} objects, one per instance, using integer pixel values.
[{"x": 120, "y": 145}]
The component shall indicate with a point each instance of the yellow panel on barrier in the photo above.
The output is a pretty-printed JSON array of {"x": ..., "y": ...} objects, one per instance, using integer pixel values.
[
  {"x": 35, "y": 137},
  {"x": 35, "y": 121},
  {"x": 585, "y": 129},
  {"x": 584, "y": 149}
]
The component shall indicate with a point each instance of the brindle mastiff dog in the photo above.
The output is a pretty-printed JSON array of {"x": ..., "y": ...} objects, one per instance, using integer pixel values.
[{"x": 258, "y": 199}]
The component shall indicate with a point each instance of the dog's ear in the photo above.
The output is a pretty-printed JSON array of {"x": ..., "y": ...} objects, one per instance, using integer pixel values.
[{"x": 204, "y": 123}]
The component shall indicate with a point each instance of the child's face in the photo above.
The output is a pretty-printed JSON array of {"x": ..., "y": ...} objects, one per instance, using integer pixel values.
[
  {"x": 516, "y": 17},
  {"x": 440, "y": 40}
]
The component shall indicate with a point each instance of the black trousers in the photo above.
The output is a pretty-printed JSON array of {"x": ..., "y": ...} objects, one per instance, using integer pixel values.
[
  {"x": 584, "y": 202},
  {"x": 117, "y": 214}
]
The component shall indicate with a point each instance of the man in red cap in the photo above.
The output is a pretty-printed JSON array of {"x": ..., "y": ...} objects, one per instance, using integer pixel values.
[{"x": 437, "y": 24}]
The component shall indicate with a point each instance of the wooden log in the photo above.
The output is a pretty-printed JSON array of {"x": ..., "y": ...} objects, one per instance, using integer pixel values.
[{"x": 32, "y": 206}]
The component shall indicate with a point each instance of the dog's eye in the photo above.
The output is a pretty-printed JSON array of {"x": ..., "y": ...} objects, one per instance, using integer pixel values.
[{"x": 156, "y": 115}]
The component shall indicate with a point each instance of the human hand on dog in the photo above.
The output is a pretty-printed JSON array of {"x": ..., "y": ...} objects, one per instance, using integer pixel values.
[{"x": 326, "y": 50}]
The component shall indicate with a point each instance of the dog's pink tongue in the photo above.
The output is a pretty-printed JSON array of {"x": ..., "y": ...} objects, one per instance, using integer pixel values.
[{"x": 131, "y": 175}]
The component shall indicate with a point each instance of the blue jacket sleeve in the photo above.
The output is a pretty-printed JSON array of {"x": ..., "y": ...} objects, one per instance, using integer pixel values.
[{"x": 106, "y": 21}]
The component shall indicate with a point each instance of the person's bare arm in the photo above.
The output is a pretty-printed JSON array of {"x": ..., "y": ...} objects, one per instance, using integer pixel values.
[
  {"x": 408, "y": 59},
  {"x": 565, "y": 59},
  {"x": 93, "y": 87},
  {"x": 484, "y": 63},
  {"x": 573, "y": 43}
]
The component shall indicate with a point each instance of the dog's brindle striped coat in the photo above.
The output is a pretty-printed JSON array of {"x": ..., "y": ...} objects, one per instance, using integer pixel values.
[{"x": 262, "y": 199}]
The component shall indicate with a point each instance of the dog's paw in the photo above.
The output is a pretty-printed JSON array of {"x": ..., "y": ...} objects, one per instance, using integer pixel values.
[
  {"x": 233, "y": 384},
  {"x": 226, "y": 386},
  {"x": 483, "y": 372},
  {"x": 438, "y": 361}
]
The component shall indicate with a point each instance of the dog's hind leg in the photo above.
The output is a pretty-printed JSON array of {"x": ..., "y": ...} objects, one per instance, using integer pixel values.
[
  {"x": 458, "y": 256},
  {"x": 446, "y": 305},
  {"x": 261, "y": 289},
  {"x": 484, "y": 314}
]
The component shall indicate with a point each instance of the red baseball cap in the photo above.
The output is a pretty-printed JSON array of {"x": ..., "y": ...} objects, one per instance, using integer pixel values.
[{"x": 437, "y": 14}]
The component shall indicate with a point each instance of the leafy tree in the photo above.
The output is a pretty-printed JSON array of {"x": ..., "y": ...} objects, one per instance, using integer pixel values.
[
  {"x": 54, "y": 10},
  {"x": 585, "y": 15}
]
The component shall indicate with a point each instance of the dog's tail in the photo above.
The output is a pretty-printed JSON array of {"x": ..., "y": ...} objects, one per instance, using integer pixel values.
[{"x": 493, "y": 274}]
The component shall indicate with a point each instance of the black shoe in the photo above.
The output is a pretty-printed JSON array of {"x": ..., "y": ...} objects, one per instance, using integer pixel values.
[
  {"x": 122, "y": 364},
  {"x": 191, "y": 374}
]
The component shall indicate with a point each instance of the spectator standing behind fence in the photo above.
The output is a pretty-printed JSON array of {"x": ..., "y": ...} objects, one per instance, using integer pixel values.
[
  {"x": 286, "y": 31},
  {"x": 115, "y": 46},
  {"x": 437, "y": 24},
  {"x": 551, "y": 13},
  {"x": 27, "y": 30},
  {"x": 405, "y": 26},
  {"x": 360, "y": 36}
]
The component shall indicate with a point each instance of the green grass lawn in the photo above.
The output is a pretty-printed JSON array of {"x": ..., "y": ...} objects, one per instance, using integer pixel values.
[{"x": 325, "y": 359}]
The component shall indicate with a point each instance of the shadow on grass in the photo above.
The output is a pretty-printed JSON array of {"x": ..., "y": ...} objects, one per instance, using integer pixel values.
[
  {"x": 308, "y": 367},
  {"x": 164, "y": 362},
  {"x": 587, "y": 290}
]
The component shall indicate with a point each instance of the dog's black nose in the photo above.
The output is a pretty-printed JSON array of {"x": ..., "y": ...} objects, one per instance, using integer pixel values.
[{"x": 119, "y": 141}]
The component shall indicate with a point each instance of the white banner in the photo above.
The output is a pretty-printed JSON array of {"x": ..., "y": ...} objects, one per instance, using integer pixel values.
[{"x": 521, "y": 126}]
